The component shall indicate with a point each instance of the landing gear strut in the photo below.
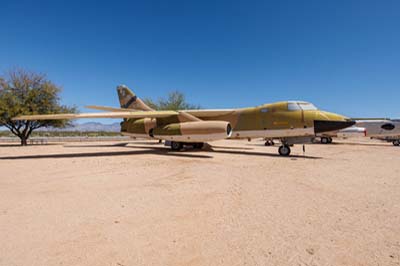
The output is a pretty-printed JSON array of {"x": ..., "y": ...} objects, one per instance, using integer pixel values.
[
  {"x": 284, "y": 150},
  {"x": 396, "y": 142}
]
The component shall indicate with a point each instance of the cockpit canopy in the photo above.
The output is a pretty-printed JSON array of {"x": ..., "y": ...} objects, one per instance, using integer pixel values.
[{"x": 305, "y": 106}]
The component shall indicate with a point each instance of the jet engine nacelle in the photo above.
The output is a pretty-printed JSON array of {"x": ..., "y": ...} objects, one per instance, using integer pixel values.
[{"x": 197, "y": 131}]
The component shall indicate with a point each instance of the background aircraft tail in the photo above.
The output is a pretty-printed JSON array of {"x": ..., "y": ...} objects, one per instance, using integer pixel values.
[{"x": 129, "y": 100}]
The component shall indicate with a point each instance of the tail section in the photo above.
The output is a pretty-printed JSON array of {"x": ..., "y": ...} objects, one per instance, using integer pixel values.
[{"x": 129, "y": 100}]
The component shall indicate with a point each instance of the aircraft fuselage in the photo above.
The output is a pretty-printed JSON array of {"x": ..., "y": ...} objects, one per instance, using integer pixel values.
[{"x": 276, "y": 120}]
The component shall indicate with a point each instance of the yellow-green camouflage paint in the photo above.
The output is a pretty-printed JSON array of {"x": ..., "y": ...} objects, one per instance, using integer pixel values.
[
  {"x": 273, "y": 116},
  {"x": 133, "y": 126},
  {"x": 168, "y": 130}
]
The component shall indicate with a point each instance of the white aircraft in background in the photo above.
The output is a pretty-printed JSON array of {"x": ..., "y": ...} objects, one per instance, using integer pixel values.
[{"x": 383, "y": 129}]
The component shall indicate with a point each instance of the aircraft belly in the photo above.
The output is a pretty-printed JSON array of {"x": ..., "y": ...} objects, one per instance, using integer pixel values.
[{"x": 274, "y": 133}]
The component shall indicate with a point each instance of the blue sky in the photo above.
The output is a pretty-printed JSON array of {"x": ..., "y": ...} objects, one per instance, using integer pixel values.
[{"x": 342, "y": 55}]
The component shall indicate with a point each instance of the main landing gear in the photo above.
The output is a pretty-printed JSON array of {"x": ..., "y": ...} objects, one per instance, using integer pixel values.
[
  {"x": 177, "y": 146},
  {"x": 284, "y": 150},
  {"x": 326, "y": 140},
  {"x": 396, "y": 142}
]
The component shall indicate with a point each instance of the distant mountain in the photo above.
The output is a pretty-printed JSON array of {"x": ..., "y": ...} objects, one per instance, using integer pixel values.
[{"x": 89, "y": 126}]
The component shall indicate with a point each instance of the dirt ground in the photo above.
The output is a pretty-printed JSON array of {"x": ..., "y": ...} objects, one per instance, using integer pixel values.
[{"x": 238, "y": 204}]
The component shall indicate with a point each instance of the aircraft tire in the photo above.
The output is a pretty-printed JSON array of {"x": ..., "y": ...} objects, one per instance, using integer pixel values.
[
  {"x": 396, "y": 142},
  {"x": 176, "y": 146},
  {"x": 324, "y": 140},
  {"x": 330, "y": 140},
  {"x": 284, "y": 150}
]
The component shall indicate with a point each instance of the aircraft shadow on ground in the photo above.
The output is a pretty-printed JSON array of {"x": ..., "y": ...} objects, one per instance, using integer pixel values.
[
  {"x": 335, "y": 143},
  {"x": 153, "y": 150},
  {"x": 8, "y": 145},
  {"x": 265, "y": 154},
  {"x": 160, "y": 151},
  {"x": 237, "y": 151},
  {"x": 97, "y": 145},
  {"x": 231, "y": 148}
]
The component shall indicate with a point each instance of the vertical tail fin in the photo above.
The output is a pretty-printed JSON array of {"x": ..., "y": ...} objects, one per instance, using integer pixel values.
[{"x": 129, "y": 100}]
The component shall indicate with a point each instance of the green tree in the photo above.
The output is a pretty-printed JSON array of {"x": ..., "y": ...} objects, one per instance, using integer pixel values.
[
  {"x": 174, "y": 101},
  {"x": 28, "y": 93}
]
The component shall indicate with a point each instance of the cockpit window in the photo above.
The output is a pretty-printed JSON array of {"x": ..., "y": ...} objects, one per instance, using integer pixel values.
[
  {"x": 307, "y": 106},
  {"x": 293, "y": 106}
]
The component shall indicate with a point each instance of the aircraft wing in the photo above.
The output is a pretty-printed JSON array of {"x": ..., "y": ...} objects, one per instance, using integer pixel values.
[
  {"x": 138, "y": 114},
  {"x": 196, "y": 113}
]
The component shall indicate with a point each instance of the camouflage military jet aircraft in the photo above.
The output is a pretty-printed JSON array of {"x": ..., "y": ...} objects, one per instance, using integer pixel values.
[{"x": 292, "y": 122}]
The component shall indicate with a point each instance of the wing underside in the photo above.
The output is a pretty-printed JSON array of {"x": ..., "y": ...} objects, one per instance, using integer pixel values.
[{"x": 139, "y": 114}]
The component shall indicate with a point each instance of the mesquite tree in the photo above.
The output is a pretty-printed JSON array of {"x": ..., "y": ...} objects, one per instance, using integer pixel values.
[{"x": 28, "y": 93}]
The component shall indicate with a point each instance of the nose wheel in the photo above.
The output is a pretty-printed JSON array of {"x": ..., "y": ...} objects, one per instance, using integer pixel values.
[
  {"x": 284, "y": 150},
  {"x": 396, "y": 142}
]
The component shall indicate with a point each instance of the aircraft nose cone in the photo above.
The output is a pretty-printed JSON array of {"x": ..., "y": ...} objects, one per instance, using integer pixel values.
[{"x": 331, "y": 125}]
